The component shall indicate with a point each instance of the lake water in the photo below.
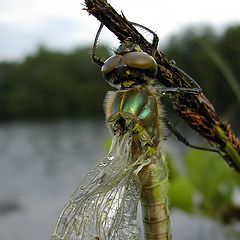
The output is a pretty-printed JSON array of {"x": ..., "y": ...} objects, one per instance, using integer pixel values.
[{"x": 40, "y": 166}]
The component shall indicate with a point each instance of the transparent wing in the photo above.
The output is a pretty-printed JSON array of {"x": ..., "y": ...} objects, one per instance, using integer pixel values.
[{"x": 104, "y": 206}]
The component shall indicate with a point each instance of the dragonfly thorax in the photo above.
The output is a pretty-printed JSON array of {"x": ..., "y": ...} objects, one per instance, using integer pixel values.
[{"x": 130, "y": 66}]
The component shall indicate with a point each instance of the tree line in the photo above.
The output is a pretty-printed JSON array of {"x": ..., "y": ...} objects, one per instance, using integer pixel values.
[{"x": 50, "y": 84}]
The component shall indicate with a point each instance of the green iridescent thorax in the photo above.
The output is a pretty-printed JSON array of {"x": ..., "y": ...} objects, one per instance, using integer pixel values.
[{"x": 138, "y": 108}]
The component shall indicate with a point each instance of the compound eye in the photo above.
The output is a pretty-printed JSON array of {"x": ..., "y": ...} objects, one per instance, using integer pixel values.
[
  {"x": 140, "y": 60},
  {"x": 111, "y": 63}
]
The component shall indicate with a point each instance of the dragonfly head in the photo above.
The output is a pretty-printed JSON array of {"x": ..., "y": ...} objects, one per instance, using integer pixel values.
[
  {"x": 130, "y": 66},
  {"x": 127, "y": 46}
]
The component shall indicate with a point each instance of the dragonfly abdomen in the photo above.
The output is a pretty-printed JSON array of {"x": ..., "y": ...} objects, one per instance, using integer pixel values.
[{"x": 154, "y": 181}]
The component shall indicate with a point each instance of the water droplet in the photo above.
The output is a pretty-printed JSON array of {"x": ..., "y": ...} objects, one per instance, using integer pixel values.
[
  {"x": 54, "y": 237},
  {"x": 110, "y": 158},
  {"x": 127, "y": 198},
  {"x": 73, "y": 205},
  {"x": 172, "y": 62}
]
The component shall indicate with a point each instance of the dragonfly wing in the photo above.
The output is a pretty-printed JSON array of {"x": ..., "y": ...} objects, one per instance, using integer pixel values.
[{"x": 104, "y": 206}]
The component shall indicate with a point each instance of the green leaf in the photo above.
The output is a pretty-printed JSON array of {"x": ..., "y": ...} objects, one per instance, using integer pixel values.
[
  {"x": 181, "y": 193},
  {"x": 211, "y": 177}
]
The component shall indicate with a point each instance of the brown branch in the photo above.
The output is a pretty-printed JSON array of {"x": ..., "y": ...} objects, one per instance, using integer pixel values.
[{"x": 196, "y": 110}]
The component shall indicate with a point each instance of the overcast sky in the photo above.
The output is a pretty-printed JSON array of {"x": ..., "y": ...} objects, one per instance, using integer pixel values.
[{"x": 62, "y": 24}]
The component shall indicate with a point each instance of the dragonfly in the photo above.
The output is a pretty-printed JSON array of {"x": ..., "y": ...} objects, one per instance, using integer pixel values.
[{"x": 104, "y": 206}]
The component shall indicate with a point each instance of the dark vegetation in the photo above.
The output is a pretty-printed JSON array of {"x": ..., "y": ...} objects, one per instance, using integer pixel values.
[
  {"x": 52, "y": 85},
  {"x": 58, "y": 85}
]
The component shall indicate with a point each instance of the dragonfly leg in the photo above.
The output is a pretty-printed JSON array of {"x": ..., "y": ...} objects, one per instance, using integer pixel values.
[
  {"x": 179, "y": 90},
  {"x": 181, "y": 138},
  {"x": 155, "y": 40},
  {"x": 96, "y": 59},
  {"x": 192, "y": 81},
  {"x": 185, "y": 90}
]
